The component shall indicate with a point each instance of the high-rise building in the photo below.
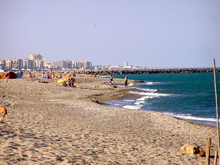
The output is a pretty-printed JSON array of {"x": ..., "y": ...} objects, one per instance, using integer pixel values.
[
  {"x": 74, "y": 64},
  {"x": 16, "y": 63},
  {"x": 84, "y": 64},
  {"x": 27, "y": 64},
  {"x": 8, "y": 64},
  {"x": 35, "y": 57},
  {"x": 87, "y": 64},
  {"x": 126, "y": 63},
  {"x": 67, "y": 64},
  {"x": 64, "y": 64},
  {"x": 38, "y": 60}
]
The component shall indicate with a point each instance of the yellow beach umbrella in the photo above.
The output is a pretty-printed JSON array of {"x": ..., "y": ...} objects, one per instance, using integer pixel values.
[
  {"x": 2, "y": 75},
  {"x": 63, "y": 79}
]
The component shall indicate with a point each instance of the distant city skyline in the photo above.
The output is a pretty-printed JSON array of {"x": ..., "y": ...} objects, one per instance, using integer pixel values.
[
  {"x": 149, "y": 33},
  {"x": 37, "y": 61},
  {"x": 30, "y": 56}
]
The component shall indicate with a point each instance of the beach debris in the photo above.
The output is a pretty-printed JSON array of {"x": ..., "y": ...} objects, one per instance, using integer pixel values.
[
  {"x": 192, "y": 149},
  {"x": 95, "y": 101},
  {"x": 43, "y": 81},
  {"x": 19, "y": 113}
]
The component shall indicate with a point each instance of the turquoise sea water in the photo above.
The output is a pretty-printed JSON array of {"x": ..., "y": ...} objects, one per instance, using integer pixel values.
[{"x": 184, "y": 95}]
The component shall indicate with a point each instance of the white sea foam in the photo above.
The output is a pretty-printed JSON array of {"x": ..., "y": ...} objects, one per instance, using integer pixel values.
[
  {"x": 150, "y": 93},
  {"x": 152, "y": 83},
  {"x": 131, "y": 107},
  {"x": 141, "y": 99},
  {"x": 117, "y": 104},
  {"x": 148, "y": 90},
  {"x": 105, "y": 76},
  {"x": 189, "y": 117},
  {"x": 138, "y": 102},
  {"x": 131, "y": 84},
  {"x": 127, "y": 100}
]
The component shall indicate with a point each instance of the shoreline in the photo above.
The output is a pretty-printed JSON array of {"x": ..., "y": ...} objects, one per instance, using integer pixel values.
[
  {"x": 50, "y": 124},
  {"x": 203, "y": 123},
  {"x": 130, "y": 95}
]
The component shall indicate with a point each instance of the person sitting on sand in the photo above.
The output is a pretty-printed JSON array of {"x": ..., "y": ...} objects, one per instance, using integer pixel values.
[
  {"x": 48, "y": 75},
  {"x": 60, "y": 76},
  {"x": 63, "y": 84},
  {"x": 30, "y": 75},
  {"x": 42, "y": 75},
  {"x": 71, "y": 82},
  {"x": 111, "y": 80}
]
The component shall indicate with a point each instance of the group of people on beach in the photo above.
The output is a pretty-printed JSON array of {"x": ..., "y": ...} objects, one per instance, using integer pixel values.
[
  {"x": 111, "y": 82},
  {"x": 69, "y": 83},
  {"x": 71, "y": 80}
]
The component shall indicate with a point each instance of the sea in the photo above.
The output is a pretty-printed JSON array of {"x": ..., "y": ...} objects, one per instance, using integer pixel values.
[{"x": 183, "y": 95}]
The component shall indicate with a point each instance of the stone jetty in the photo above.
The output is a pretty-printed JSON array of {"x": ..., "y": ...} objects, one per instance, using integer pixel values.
[{"x": 151, "y": 71}]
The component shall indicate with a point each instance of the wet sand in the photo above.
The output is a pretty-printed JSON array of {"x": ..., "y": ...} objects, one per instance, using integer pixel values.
[{"x": 52, "y": 124}]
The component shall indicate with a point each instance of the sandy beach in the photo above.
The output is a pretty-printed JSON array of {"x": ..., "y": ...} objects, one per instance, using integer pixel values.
[{"x": 51, "y": 124}]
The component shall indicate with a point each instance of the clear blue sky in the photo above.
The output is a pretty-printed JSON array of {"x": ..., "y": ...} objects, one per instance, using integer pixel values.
[{"x": 150, "y": 33}]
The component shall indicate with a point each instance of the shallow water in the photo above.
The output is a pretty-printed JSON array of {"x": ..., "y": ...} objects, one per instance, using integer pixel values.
[{"x": 185, "y": 95}]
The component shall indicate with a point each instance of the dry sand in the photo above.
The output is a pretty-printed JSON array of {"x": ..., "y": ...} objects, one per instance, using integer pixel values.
[{"x": 50, "y": 124}]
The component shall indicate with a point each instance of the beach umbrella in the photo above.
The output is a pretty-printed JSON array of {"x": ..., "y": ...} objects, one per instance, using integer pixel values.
[
  {"x": 63, "y": 79},
  {"x": 2, "y": 75}
]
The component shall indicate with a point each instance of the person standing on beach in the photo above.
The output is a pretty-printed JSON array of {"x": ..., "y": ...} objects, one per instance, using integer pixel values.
[{"x": 126, "y": 81}]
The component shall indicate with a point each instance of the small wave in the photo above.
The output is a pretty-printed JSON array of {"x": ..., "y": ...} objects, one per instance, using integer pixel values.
[
  {"x": 131, "y": 84},
  {"x": 138, "y": 102},
  {"x": 144, "y": 98},
  {"x": 129, "y": 100},
  {"x": 189, "y": 117},
  {"x": 105, "y": 76},
  {"x": 131, "y": 107},
  {"x": 146, "y": 89},
  {"x": 152, "y": 83},
  {"x": 150, "y": 93}
]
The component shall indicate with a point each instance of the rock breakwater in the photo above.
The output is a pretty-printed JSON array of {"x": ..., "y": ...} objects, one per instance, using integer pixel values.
[{"x": 153, "y": 71}]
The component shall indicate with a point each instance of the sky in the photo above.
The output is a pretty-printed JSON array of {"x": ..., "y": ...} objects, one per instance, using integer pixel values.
[{"x": 147, "y": 33}]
